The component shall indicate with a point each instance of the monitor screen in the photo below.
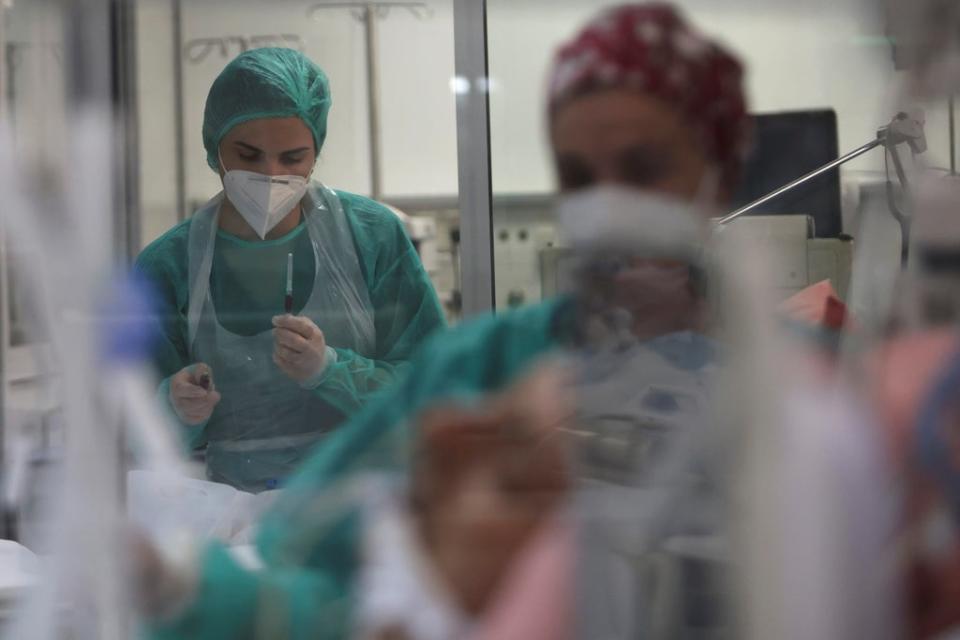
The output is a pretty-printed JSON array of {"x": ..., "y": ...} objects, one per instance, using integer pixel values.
[{"x": 786, "y": 146}]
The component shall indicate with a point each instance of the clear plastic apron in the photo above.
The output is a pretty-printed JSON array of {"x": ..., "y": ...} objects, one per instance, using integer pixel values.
[{"x": 266, "y": 423}]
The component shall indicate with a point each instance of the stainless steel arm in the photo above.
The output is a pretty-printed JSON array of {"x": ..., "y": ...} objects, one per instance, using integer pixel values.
[{"x": 730, "y": 217}]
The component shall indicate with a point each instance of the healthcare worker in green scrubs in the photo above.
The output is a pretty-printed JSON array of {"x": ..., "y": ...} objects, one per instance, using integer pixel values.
[{"x": 285, "y": 304}]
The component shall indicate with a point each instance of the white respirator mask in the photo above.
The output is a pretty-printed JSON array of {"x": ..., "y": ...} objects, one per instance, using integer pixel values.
[
  {"x": 263, "y": 200},
  {"x": 624, "y": 219}
]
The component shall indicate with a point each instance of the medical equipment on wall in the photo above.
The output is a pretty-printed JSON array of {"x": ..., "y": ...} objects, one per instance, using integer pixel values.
[
  {"x": 199, "y": 49},
  {"x": 905, "y": 128},
  {"x": 519, "y": 237},
  {"x": 423, "y": 232},
  {"x": 433, "y": 225}
]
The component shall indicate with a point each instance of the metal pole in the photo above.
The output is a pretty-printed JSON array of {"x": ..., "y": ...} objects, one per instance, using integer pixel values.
[
  {"x": 126, "y": 156},
  {"x": 730, "y": 217},
  {"x": 3, "y": 59},
  {"x": 8, "y": 527},
  {"x": 373, "y": 100},
  {"x": 89, "y": 52},
  {"x": 178, "y": 125},
  {"x": 953, "y": 136},
  {"x": 369, "y": 14},
  {"x": 473, "y": 155}
]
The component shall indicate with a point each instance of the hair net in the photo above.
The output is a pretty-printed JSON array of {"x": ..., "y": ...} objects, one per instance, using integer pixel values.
[
  {"x": 651, "y": 49},
  {"x": 266, "y": 83}
]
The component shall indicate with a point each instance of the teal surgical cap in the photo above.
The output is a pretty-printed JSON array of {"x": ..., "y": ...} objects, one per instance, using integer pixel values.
[{"x": 266, "y": 83}]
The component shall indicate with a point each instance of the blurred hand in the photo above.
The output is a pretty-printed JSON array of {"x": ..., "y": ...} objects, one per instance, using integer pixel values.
[
  {"x": 157, "y": 589},
  {"x": 300, "y": 350},
  {"x": 485, "y": 479},
  {"x": 193, "y": 395}
]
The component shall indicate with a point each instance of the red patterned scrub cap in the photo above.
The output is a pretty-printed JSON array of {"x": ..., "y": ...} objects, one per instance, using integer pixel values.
[{"x": 651, "y": 49}]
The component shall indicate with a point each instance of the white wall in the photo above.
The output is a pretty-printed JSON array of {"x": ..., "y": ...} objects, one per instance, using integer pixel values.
[{"x": 418, "y": 106}]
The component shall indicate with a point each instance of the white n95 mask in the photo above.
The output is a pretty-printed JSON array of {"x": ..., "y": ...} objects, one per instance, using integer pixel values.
[
  {"x": 263, "y": 200},
  {"x": 623, "y": 219}
]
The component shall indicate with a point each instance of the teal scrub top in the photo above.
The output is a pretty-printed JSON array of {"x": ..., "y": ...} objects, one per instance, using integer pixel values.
[
  {"x": 310, "y": 540},
  {"x": 406, "y": 309},
  {"x": 248, "y": 279}
]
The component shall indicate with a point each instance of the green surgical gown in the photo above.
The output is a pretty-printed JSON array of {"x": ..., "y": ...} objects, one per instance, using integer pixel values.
[{"x": 406, "y": 309}]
